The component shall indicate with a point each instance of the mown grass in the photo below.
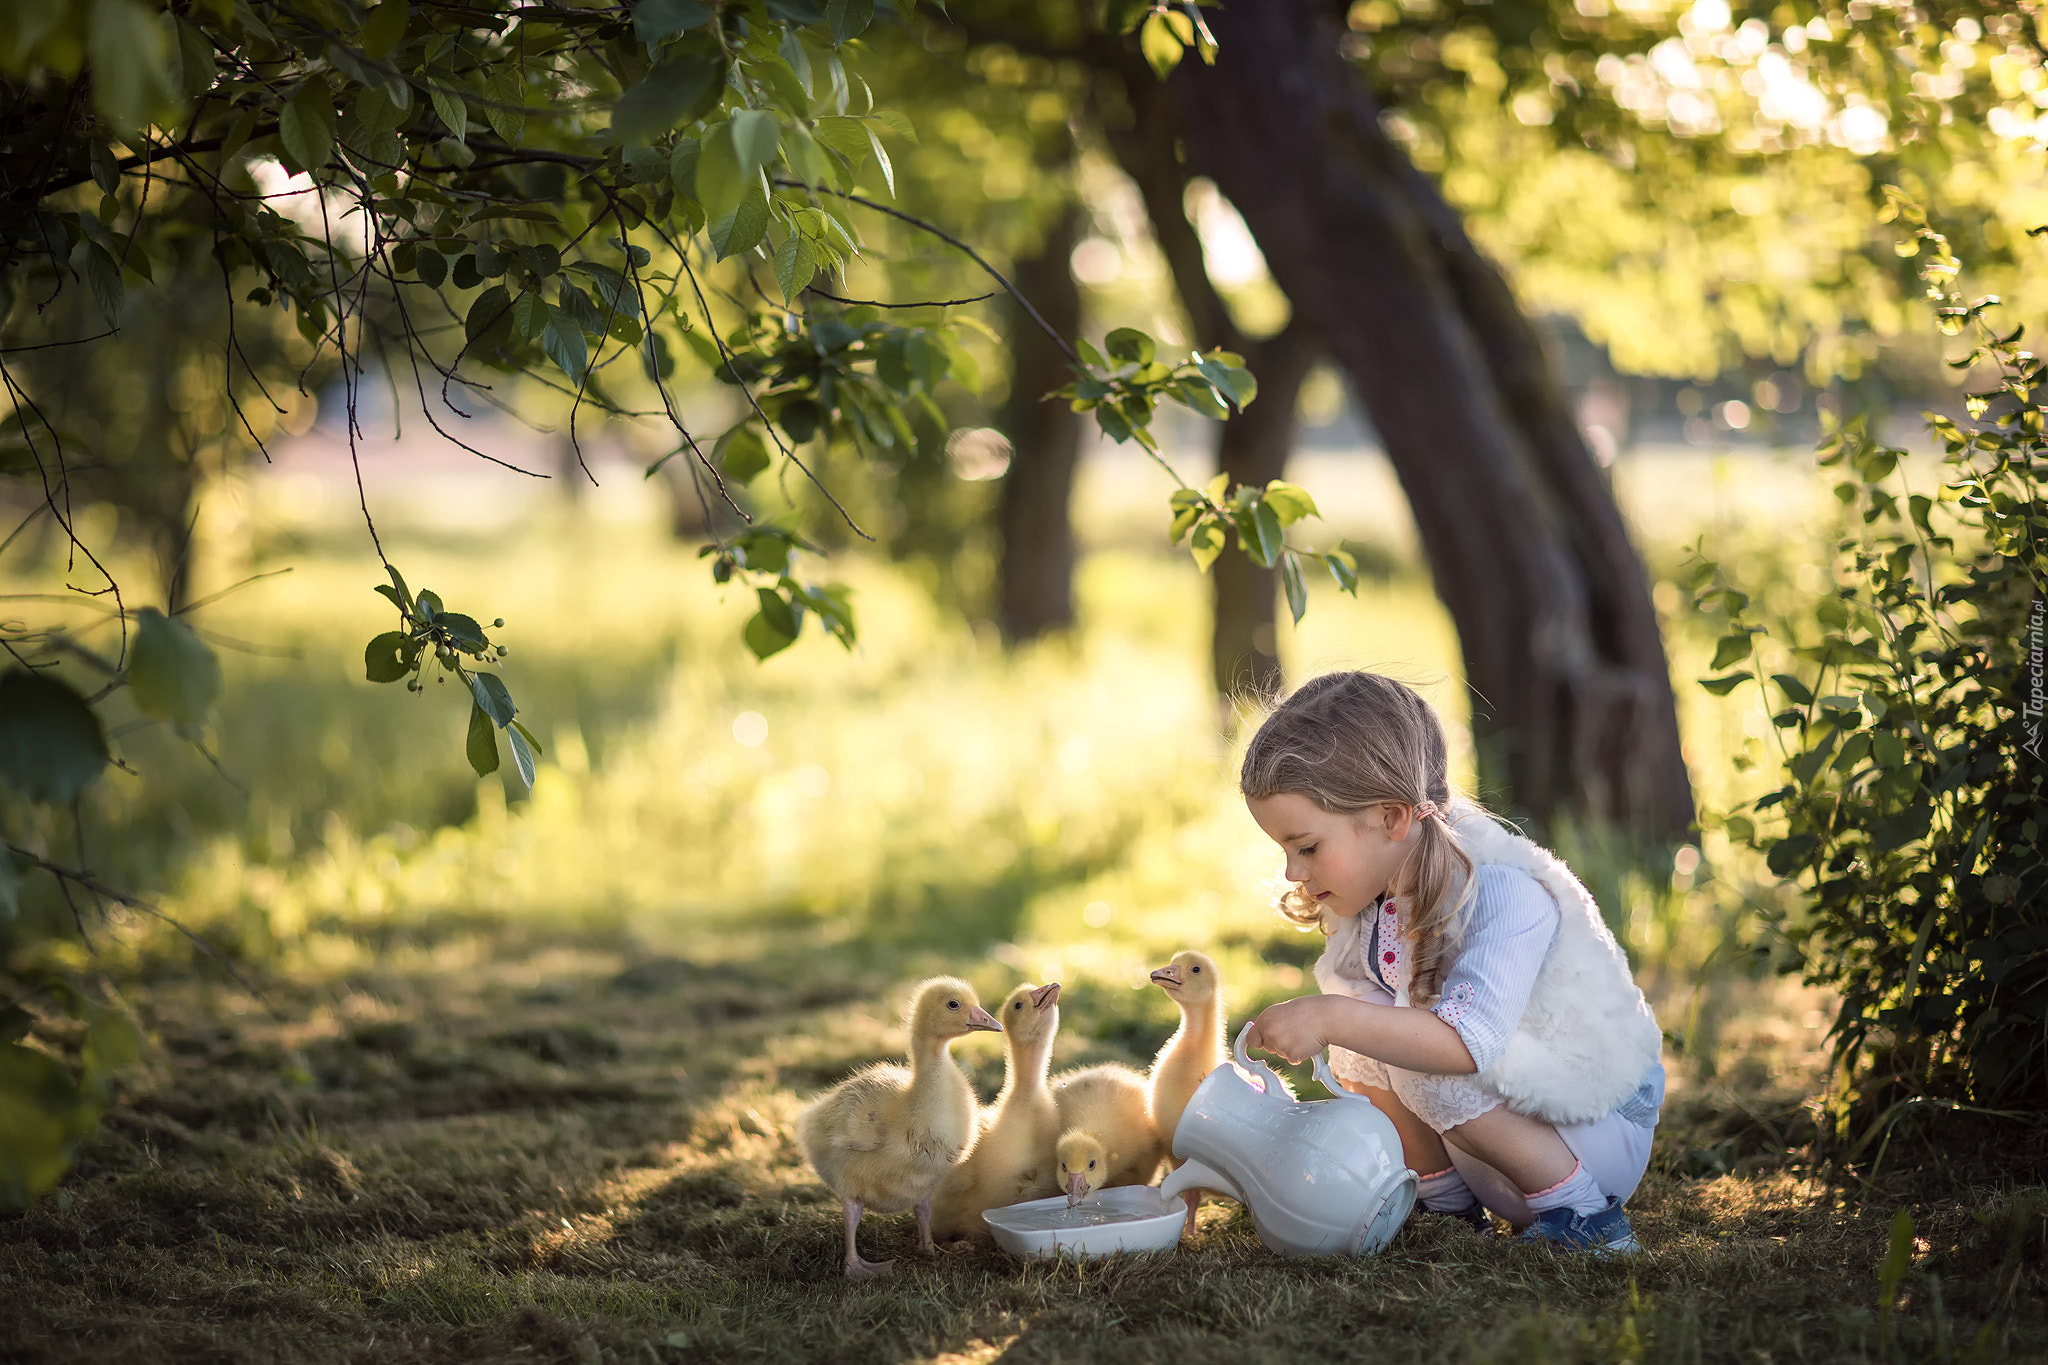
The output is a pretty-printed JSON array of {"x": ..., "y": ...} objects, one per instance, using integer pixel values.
[
  {"x": 521, "y": 1079},
  {"x": 577, "y": 1151}
]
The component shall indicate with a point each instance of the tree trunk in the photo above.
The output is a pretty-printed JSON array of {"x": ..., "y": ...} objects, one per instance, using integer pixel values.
[
  {"x": 1036, "y": 592},
  {"x": 1572, "y": 703},
  {"x": 1252, "y": 447}
]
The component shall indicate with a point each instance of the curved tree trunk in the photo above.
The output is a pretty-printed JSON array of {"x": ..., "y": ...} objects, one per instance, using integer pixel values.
[
  {"x": 1036, "y": 588},
  {"x": 1572, "y": 702},
  {"x": 1252, "y": 446}
]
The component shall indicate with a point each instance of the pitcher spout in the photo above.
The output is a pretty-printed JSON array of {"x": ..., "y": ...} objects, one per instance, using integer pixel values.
[{"x": 1196, "y": 1175}]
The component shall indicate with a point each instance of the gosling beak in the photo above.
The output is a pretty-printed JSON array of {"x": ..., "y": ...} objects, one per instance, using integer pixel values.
[
  {"x": 979, "y": 1018},
  {"x": 1167, "y": 976},
  {"x": 1045, "y": 996},
  {"x": 1077, "y": 1185}
]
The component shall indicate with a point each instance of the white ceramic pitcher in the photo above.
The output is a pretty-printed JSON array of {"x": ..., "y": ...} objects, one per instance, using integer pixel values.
[{"x": 1321, "y": 1177}]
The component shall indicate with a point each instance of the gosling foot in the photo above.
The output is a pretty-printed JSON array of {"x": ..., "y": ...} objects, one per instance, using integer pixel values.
[{"x": 858, "y": 1269}]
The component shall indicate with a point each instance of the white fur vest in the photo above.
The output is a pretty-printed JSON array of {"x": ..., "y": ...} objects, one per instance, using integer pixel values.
[{"x": 1587, "y": 1037}]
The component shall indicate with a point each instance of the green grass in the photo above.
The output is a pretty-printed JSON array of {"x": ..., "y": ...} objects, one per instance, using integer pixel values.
[{"x": 521, "y": 1080}]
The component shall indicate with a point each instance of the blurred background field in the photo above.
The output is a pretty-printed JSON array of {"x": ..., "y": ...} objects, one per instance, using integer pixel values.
[{"x": 923, "y": 801}]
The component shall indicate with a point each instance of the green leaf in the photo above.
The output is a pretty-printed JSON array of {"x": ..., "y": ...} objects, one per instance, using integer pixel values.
[
  {"x": 563, "y": 340},
  {"x": 390, "y": 656},
  {"x": 527, "y": 735},
  {"x": 522, "y": 755},
  {"x": 1721, "y": 687},
  {"x": 384, "y": 29},
  {"x": 1344, "y": 568},
  {"x": 195, "y": 61},
  {"x": 741, "y": 454},
  {"x": 1794, "y": 689},
  {"x": 490, "y": 319},
  {"x": 771, "y": 629},
  {"x": 506, "y": 98},
  {"x": 742, "y": 229},
  {"x": 51, "y": 744},
  {"x": 654, "y": 20},
  {"x": 482, "y": 745},
  {"x": 1200, "y": 395},
  {"x": 682, "y": 168},
  {"x": 1228, "y": 374},
  {"x": 1130, "y": 345},
  {"x": 1788, "y": 855},
  {"x": 1266, "y": 525},
  {"x": 490, "y": 693},
  {"x": 431, "y": 266},
  {"x": 722, "y": 184},
  {"x": 463, "y": 631},
  {"x": 848, "y": 19},
  {"x": 530, "y": 314},
  {"x": 645, "y": 165},
  {"x": 106, "y": 172},
  {"x": 1160, "y": 44},
  {"x": 132, "y": 57},
  {"x": 172, "y": 674},
  {"x": 1297, "y": 591},
  {"x": 1205, "y": 543},
  {"x": 450, "y": 109},
  {"x": 1731, "y": 649},
  {"x": 796, "y": 265},
  {"x": 677, "y": 91},
  {"x": 1289, "y": 502},
  {"x": 882, "y": 159},
  {"x": 377, "y": 112},
  {"x": 104, "y": 277},
  {"x": 306, "y": 126},
  {"x": 576, "y": 307},
  {"x": 755, "y": 138}
]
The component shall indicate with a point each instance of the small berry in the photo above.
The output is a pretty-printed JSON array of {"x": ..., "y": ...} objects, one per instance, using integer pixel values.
[{"x": 497, "y": 623}]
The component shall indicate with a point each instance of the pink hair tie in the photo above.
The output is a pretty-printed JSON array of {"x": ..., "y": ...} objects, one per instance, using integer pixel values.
[{"x": 1425, "y": 810}]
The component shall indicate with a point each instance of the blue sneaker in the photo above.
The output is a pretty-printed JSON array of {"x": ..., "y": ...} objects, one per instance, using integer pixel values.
[{"x": 1606, "y": 1233}]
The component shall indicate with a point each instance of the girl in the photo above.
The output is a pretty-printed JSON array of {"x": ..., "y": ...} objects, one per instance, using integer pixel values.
[{"x": 1471, "y": 989}]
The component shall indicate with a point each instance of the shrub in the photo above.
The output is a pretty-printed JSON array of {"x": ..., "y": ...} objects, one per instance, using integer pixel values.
[{"x": 1909, "y": 715}]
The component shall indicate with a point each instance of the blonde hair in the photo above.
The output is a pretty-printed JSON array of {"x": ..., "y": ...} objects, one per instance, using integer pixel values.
[{"x": 1349, "y": 741}]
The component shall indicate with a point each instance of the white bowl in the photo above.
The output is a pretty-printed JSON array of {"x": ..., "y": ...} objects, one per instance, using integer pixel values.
[{"x": 1121, "y": 1218}]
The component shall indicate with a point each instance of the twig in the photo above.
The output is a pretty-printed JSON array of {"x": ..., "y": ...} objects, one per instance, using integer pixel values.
[
  {"x": 67, "y": 876},
  {"x": 236, "y": 587},
  {"x": 877, "y": 303},
  {"x": 1065, "y": 347}
]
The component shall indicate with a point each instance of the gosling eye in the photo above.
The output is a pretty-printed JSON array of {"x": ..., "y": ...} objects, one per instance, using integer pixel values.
[
  {"x": 1018, "y": 1006},
  {"x": 1091, "y": 1165},
  {"x": 1196, "y": 970},
  {"x": 952, "y": 1004}
]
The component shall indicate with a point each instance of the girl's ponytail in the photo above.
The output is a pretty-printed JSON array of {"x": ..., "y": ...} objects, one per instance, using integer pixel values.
[{"x": 1439, "y": 891}]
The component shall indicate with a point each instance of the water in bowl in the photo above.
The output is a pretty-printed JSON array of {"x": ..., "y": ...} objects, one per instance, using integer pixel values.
[{"x": 1081, "y": 1216}]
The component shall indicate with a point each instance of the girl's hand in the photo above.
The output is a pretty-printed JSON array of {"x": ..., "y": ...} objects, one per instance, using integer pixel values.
[{"x": 1292, "y": 1029}]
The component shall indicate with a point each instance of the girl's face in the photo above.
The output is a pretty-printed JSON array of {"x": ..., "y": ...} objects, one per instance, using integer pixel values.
[{"x": 1341, "y": 860}]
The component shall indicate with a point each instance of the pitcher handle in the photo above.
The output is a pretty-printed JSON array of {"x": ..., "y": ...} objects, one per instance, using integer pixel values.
[
  {"x": 1277, "y": 1087},
  {"x": 1329, "y": 1081}
]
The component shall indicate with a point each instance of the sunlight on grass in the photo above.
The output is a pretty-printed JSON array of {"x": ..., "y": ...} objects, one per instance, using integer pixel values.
[{"x": 1065, "y": 813}]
